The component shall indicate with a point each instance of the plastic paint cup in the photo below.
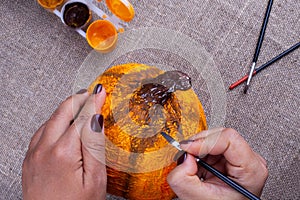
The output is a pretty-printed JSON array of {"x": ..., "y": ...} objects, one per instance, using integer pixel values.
[
  {"x": 76, "y": 14},
  {"x": 50, "y": 4},
  {"x": 102, "y": 36},
  {"x": 121, "y": 8}
]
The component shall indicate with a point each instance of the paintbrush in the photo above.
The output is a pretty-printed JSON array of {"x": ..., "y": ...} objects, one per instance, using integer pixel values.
[
  {"x": 257, "y": 70},
  {"x": 212, "y": 170},
  {"x": 259, "y": 43}
]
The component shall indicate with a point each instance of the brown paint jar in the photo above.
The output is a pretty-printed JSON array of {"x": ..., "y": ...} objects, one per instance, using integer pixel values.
[{"x": 76, "y": 14}]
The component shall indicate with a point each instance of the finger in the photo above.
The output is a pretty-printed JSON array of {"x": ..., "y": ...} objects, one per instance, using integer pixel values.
[
  {"x": 93, "y": 150},
  {"x": 218, "y": 162},
  {"x": 225, "y": 142},
  {"x": 208, "y": 136},
  {"x": 88, "y": 127},
  {"x": 187, "y": 168},
  {"x": 186, "y": 184},
  {"x": 59, "y": 122},
  {"x": 242, "y": 164},
  {"x": 93, "y": 153},
  {"x": 92, "y": 106},
  {"x": 79, "y": 128},
  {"x": 263, "y": 161},
  {"x": 36, "y": 137}
]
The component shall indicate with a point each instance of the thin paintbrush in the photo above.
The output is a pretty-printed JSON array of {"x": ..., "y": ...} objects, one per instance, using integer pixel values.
[
  {"x": 214, "y": 171},
  {"x": 256, "y": 71},
  {"x": 259, "y": 43}
]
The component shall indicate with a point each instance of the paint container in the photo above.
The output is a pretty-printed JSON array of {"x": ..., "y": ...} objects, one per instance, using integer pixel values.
[
  {"x": 121, "y": 8},
  {"x": 102, "y": 36},
  {"x": 50, "y": 4},
  {"x": 76, "y": 14}
]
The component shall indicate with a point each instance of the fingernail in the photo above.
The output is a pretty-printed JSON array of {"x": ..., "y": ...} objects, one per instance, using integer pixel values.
[
  {"x": 186, "y": 141},
  {"x": 81, "y": 91},
  {"x": 97, "y": 89},
  {"x": 181, "y": 159},
  {"x": 97, "y": 123}
]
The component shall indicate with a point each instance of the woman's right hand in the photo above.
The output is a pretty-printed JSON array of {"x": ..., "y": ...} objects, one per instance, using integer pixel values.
[{"x": 227, "y": 151}]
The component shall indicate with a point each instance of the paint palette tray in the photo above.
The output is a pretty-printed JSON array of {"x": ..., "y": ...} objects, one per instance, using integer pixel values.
[{"x": 81, "y": 15}]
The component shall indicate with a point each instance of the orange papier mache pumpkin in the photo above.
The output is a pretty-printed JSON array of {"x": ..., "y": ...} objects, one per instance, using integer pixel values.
[{"x": 141, "y": 102}]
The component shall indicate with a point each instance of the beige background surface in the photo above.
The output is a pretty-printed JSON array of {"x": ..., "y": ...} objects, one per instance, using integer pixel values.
[{"x": 40, "y": 59}]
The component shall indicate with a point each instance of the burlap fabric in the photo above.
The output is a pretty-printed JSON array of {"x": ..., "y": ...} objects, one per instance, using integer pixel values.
[{"x": 41, "y": 58}]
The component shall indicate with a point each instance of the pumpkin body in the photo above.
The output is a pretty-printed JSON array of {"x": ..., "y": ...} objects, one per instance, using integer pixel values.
[{"x": 138, "y": 158}]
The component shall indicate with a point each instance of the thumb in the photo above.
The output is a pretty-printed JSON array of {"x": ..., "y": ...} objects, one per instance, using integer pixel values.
[{"x": 184, "y": 180}]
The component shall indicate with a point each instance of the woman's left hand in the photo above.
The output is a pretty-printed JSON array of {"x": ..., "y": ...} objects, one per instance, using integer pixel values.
[{"x": 66, "y": 159}]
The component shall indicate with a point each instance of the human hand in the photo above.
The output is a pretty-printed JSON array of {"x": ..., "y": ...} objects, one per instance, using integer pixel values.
[
  {"x": 68, "y": 161},
  {"x": 228, "y": 152}
]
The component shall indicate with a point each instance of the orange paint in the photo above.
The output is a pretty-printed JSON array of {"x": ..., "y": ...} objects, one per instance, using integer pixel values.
[
  {"x": 102, "y": 36},
  {"x": 121, "y": 8},
  {"x": 121, "y": 30},
  {"x": 50, "y": 4}
]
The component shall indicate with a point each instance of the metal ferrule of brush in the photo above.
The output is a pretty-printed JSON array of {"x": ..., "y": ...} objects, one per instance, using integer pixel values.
[{"x": 251, "y": 73}]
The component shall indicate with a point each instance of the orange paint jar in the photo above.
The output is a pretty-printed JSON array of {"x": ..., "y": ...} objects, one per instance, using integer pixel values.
[
  {"x": 50, "y": 4},
  {"x": 121, "y": 8},
  {"x": 102, "y": 36}
]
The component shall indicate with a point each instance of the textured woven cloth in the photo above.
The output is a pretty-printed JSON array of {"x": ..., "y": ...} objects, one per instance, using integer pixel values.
[{"x": 41, "y": 58}]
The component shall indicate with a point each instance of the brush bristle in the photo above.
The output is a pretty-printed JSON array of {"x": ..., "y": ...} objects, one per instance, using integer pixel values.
[
  {"x": 246, "y": 89},
  {"x": 167, "y": 137}
]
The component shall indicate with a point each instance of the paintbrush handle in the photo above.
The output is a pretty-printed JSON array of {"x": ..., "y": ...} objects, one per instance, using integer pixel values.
[
  {"x": 227, "y": 180},
  {"x": 257, "y": 70},
  {"x": 259, "y": 43},
  {"x": 286, "y": 52},
  {"x": 262, "y": 31},
  {"x": 238, "y": 82}
]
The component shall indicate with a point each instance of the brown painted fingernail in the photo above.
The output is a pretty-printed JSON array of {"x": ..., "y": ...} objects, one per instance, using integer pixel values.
[
  {"x": 97, "y": 123},
  {"x": 181, "y": 159},
  {"x": 186, "y": 141},
  {"x": 97, "y": 89},
  {"x": 81, "y": 91}
]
